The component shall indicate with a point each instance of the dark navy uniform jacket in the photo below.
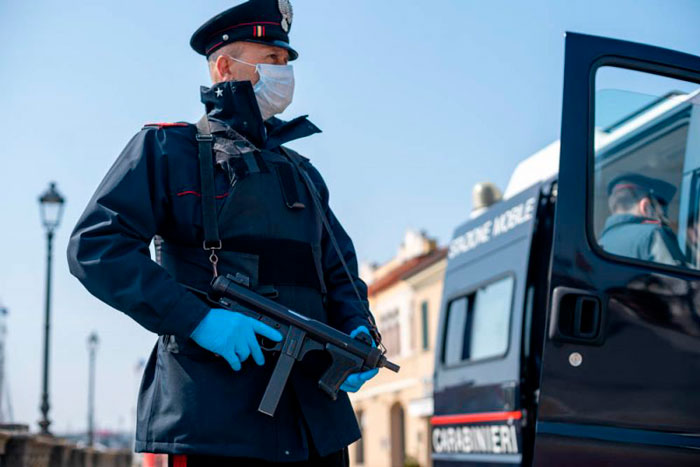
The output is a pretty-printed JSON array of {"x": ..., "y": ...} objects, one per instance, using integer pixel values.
[
  {"x": 190, "y": 400},
  {"x": 642, "y": 238}
]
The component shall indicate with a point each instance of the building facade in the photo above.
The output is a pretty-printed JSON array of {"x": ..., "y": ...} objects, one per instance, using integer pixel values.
[{"x": 394, "y": 409}]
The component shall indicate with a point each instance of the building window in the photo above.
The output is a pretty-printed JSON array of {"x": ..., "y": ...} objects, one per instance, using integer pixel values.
[
  {"x": 424, "y": 324},
  {"x": 360, "y": 445},
  {"x": 391, "y": 332}
]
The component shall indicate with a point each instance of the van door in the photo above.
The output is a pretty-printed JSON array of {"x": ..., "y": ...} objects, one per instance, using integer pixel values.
[{"x": 620, "y": 377}]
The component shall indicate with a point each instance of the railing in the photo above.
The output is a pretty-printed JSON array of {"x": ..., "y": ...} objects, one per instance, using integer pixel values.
[{"x": 19, "y": 448}]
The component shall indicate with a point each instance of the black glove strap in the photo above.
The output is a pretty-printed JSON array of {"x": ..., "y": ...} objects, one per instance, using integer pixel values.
[{"x": 205, "y": 141}]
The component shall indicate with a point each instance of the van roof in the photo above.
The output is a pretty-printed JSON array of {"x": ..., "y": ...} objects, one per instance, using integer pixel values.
[{"x": 544, "y": 164}]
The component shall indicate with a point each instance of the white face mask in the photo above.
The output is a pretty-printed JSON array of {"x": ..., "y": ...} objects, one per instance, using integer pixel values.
[{"x": 275, "y": 88}]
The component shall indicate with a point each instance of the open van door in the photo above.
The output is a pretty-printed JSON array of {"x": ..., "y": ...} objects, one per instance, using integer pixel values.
[{"x": 620, "y": 381}]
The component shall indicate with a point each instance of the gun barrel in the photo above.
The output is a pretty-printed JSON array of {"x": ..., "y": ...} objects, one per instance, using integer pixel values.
[{"x": 390, "y": 365}]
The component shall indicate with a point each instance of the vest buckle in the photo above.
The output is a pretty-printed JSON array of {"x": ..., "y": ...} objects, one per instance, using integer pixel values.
[{"x": 216, "y": 245}]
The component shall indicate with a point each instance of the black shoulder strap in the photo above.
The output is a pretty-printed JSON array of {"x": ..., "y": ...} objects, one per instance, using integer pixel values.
[
  {"x": 296, "y": 160},
  {"x": 206, "y": 172}
]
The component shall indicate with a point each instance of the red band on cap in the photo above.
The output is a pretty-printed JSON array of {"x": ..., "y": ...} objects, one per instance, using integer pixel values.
[
  {"x": 212, "y": 47},
  {"x": 625, "y": 185},
  {"x": 255, "y": 27},
  {"x": 245, "y": 24}
]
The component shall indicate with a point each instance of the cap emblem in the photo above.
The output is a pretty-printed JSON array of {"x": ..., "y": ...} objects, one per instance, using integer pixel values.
[{"x": 285, "y": 8}]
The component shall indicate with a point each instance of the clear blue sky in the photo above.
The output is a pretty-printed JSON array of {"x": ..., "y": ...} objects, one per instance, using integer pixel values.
[{"x": 418, "y": 100}]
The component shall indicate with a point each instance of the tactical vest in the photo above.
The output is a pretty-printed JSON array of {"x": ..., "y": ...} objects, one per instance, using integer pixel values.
[{"x": 266, "y": 233}]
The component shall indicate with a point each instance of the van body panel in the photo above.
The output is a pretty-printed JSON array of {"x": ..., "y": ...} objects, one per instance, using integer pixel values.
[{"x": 477, "y": 415}]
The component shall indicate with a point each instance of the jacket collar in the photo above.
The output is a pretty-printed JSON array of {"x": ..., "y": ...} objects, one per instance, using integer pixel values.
[
  {"x": 233, "y": 104},
  {"x": 280, "y": 132},
  {"x": 620, "y": 219}
]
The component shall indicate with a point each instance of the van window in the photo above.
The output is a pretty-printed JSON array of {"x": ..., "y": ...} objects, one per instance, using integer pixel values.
[
  {"x": 646, "y": 159},
  {"x": 478, "y": 324}
]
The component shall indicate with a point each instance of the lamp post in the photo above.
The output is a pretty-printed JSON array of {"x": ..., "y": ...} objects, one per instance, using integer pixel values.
[
  {"x": 92, "y": 343},
  {"x": 4, "y": 415},
  {"x": 51, "y": 208}
]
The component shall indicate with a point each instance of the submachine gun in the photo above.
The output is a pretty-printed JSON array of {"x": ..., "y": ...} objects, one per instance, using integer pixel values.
[{"x": 300, "y": 336}]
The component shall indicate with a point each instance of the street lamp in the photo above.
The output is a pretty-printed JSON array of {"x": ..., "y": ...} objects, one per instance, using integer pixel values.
[
  {"x": 51, "y": 208},
  {"x": 92, "y": 343},
  {"x": 5, "y": 417}
]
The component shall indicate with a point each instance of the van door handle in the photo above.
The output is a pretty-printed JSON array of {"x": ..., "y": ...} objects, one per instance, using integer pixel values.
[{"x": 576, "y": 316}]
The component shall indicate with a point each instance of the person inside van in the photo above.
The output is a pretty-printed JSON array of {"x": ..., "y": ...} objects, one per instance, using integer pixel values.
[{"x": 638, "y": 226}]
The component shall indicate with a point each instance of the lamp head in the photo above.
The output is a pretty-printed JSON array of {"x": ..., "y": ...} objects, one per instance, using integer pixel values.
[{"x": 51, "y": 203}]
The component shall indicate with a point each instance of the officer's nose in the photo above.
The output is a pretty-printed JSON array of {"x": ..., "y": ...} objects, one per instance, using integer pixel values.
[{"x": 282, "y": 58}]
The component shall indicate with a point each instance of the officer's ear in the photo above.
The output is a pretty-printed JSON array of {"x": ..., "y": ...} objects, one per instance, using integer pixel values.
[
  {"x": 221, "y": 69},
  {"x": 646, "y": 208}
]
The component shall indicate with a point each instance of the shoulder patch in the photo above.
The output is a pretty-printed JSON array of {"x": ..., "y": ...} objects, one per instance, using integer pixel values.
[{"x": 164, "y": 125}]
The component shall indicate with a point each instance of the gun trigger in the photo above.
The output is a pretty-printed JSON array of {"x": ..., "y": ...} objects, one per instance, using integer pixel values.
[{"x": 270, "y": 345}]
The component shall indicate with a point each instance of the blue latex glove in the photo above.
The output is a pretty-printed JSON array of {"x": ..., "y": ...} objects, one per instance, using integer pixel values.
[
  {"x": 354, "y": 381},
  {"x": 232, "y": 335}
]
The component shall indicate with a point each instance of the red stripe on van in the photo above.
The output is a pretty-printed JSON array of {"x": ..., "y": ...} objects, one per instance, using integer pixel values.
[{"x": 475, "y": 417}]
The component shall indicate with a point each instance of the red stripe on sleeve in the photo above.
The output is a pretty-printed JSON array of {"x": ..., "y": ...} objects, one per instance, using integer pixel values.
[
  {"x": 165, "y": 124},
  {"x": 190, "y": 192}
]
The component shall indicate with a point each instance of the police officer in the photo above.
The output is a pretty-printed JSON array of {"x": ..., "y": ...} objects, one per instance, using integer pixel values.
[
  {"x": 225, "y": 197},
  {"x": 638, "y": 227}
]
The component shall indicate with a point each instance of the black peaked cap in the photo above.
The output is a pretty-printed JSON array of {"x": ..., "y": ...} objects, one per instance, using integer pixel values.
[
  {"x": 661, "y": 190},
  {"x": 262, "y": 21}
]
